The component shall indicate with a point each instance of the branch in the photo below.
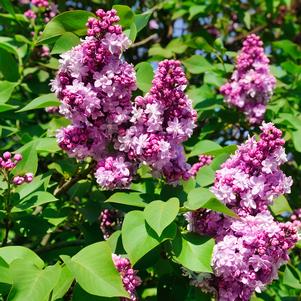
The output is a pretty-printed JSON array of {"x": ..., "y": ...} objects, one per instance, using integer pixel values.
[
  {"x": 144, "y": 41},
  {"x": 59, "y": 245},
  {"x": 243, "y": 36},
  {"x": 65, "y": 187}
]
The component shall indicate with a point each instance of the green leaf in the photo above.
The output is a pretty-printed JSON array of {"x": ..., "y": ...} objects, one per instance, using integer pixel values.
[
  {"x": 247, "y": 20},
  {"x": 95, "y": 272},
  {"x": 196, "y": 10},
  {"x": 65, "y": 42},
  {"x": 157, "y": 50},
  {"x": 197, "y": 64},
  {"x": 296, "y": 136},
  {"x": 124, "y": 198},
  {"x": 11, "y": 253},
  {"x": 204, "y": 147},
  {"x": 7, "y": 5},
  {"x": 29, "y": 163},
  {"x": 79, "y": 294},
  {"x": 9, "y": 66},
  {"x": 6, "y": 107},
  {"x": 6, "y": 90},
  {"x": 176, "y": 46},
  {"x": 63, "y": 284},
  {"x": 37, "y": 182},
  {"x": 205, "y": 176},
  {"x": 289, "y": 48},
  {"x": 204, "y": 198},
  {"x": 144, "y": 75},
  {"x": 40, "y": 102},
  {"x": 193, "y": 252},
  {"x": 30, "y": 282},
  {"x": 36, "y": 199},
  {"x": 160, "y": 214},
  {"x": 197, "y": 197},
  {"x": 125, "y": 14},
  {"x": 289, "y": 279},
  {"x": 138, "y": 239},
  {"x": 131, "y": 32},
  {"x": 5, "y": 276},
  {"x": 71, "y": 21},
  {"x": 218, "y": 160},
  {"x": 280, "y": 205},
  {"x": 49, "y": 145},
  {"x": 214, "y": 79},
  {"x": 198, "y": 95},
  {"x": 141, "y": 20}
]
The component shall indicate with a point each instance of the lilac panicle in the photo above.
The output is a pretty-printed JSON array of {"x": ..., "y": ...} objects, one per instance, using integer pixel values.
[
  {"x": 128, "y": 275},
  {"x": 249, "y": 250},
  {"x": 251, "y": 85},
  {"x": 110, "y": 221},
  {"x": 95, "y": 85},
  {"x": 161, "y": 121},
  {"x": 251, "y": 179},
  {"x": 246, "y": 258}
]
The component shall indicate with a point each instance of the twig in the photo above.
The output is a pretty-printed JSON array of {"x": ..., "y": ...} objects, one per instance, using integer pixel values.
[
  {"x": 65, "y": 187},
  {"x": 59, "y": 245},
  {"x": 144, "y": 41},
  {"x": 243, "y": 36}
]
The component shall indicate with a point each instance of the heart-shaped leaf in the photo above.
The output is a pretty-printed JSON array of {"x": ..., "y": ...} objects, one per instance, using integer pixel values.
[{"x": 160, "y": 214}]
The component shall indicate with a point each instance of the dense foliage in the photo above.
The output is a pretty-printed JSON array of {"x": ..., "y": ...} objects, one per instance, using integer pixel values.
[{"x": 150, "y": 152}]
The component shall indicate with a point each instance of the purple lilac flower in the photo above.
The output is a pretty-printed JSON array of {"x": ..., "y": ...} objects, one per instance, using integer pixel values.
[
  {"x": 160, "y": 122},
  {"x": 296, "y": 218},
  {"x": 203, "y": 160},
  {"x": 110, "y": 221},
  {"x": 251, "y": 179},
  {"x": 128, "y": 275},
  {"x": 114, "y": 172},
  {"x": 30, "y": 14},
  {"x": 251, "y": 85},
  {"x": 40, "y": 3},
  {"x": 95, "y": 87},
  {"x": 52, "y": 110},
  {"x": 51, "y": 12},
  {"x": 250, "y": 255},
  {"x": 247, "y": 256}
]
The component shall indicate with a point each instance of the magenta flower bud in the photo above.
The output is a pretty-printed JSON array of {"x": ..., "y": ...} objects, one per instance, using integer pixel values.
[
  {"x": 17, "y": 180},
  {"x": 18, "y": 157},
  {"x": 28, "y": 177},
  {"x": 6, "y": 155}
]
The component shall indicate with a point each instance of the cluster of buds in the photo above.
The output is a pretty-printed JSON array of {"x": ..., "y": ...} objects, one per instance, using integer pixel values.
[
  {"x": 9, "y": 162},
  {"x": 128, "y": 275}
]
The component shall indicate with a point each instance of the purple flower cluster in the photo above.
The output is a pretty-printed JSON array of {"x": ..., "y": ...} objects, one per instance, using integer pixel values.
[
  {"x": 250, "y": 254},
  {"x": 160, "y": 122},
  {"x": 8, "y": 163},
  {"x": 247, "y": 254},
  {"x": 129, "y": 276},
  {"x": 249, "y": 250},
  {"x": 296, "y": 218},
  {"x": 40, "y": 3},
  {"x": 30, "y": 14},
  {"x": 95, "y": 87},
  {"x": 110, "y": 221},
  {"x": 251, "y": 178},
  {"x": 251, "y": 85},
  {"x": 48, "y": 9},
  {"x": 203, "y": 160}
]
